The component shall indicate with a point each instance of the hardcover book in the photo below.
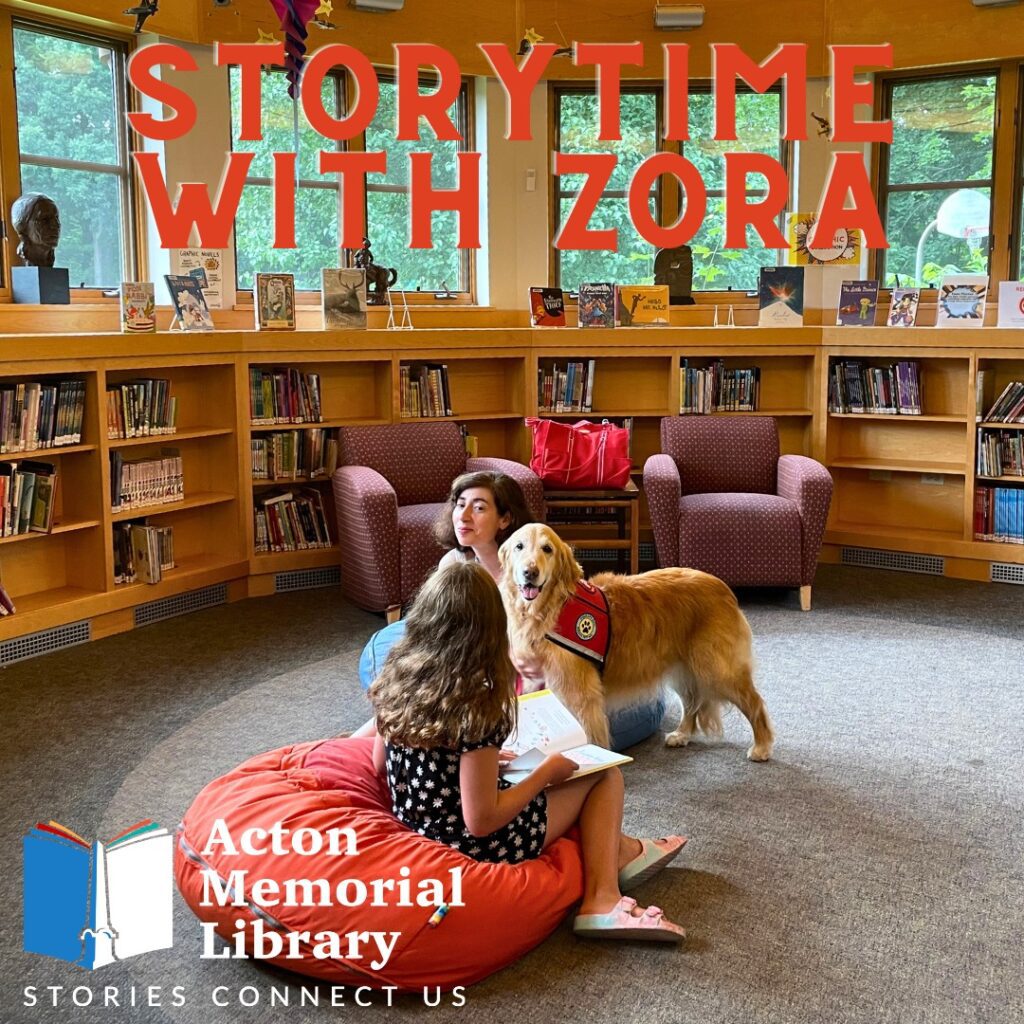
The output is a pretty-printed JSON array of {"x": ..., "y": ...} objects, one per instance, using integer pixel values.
[
  {"x": 1011, "y": 304},
  {"x": 857, "y": 301},
  {"x": 961, "y": 300},
  {"x": 189, "y": 303},
  {"x": 138, "y": 307},
  {"x": 275, "y": 302},
  {"x": 547, "y": 307},
  {"x": 596, "y": 306},
  {"x": 641, "y": 305},
  {"x": 344, "y": 298},
  {"x": 903, "y": 307},
  {"x": 94, "y": 904},
  {"x": 781, "y": 297}
]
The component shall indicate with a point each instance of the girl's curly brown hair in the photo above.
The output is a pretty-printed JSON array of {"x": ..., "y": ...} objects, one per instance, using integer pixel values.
[
  {"x": 449, "y": 679},
  {"x": 509, "y": 500}
]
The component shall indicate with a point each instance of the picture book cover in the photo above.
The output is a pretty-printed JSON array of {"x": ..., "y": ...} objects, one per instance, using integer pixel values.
[
  {"x": 189, "y": 303},
  {"x": 857, "y": 302},
  {"x": 961, "y": 300},
  {"x": 343, "y": 292},
  {"x": 780, "y": 297},
  {"x": 138, "y": 307},
  {"x": 596, "y": 306},
  {"x": 1011, "y": 304},
  {"x": 274, "y": 296},
  {"x": 547, "y": 307},
  {"x": 903, "y": 306},
  {"x": 843, "y": 249},
  {"x": 210, "y": 264},
  {"x": 641, "y": 305}
]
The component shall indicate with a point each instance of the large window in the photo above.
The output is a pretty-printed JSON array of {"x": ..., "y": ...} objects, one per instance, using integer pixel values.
[
  {"x": 936, "y": 178},
  {"x": 444, "y": 266},
  {"x": 72, "y": 147},
  {"x": 286, "y": 130},
  {"x": 714, "y": 267}
]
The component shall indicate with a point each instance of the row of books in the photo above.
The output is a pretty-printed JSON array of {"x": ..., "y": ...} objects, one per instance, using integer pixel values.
[
  {"x": 27, "y": 496},
  {"x": 292, "y": 521},
  {"x": 423, "y": 388},
  {"x": 142, "y": 553},
  {"x": 141, "y": 408},
  {"x": 714, "y": 388},
  {"x": 139, "y": 483},
  {"x": 295, "y": 454},
  {"x": 855, "y": 387},
  {"x": 1009, "y": 406},
  {"x": 999, "y": 514},
  {"x": 285, "y": 395},
  {"x": 38, "y": 414},
  {"x": 602, "y": 304},
  {"x": 1000, "y": 453},
  {"x": 568, "y": 389}
]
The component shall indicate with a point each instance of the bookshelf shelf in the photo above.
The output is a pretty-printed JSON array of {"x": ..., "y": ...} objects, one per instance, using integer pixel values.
[
  {"x": 47, "y": 453},
  {"x": 900, "y": 466},
  {"x": 284, "y": 481},
  {"x": 885, "y": 418},
  {"x": 198, "y": 500},
  {"x": 282, "y": 561},
  {"x": 185, "y": 569},
  {"x": 995, "y": 425},
  {"x": 192, "y": 434},
  {"x": 1013, "y": 479},
  {"x": 69, "y": 526},
  {"x": 329, "y": 424}
]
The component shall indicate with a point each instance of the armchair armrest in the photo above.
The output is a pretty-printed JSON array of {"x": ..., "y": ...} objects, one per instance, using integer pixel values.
[
  {"x": 366, "y": 509},
  {"x": 533, "y": 488},
  {"x": 808, "y": 485},
  {"x": 664, "y": 490}
]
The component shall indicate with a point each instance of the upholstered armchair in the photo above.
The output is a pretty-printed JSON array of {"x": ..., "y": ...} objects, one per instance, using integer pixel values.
[
  {"x": 388, "y": 491},
  {"x": 723, "y": 500}
]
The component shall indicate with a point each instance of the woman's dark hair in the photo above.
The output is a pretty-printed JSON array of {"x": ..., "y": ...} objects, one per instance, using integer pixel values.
[{"x": 508, "y": 499}]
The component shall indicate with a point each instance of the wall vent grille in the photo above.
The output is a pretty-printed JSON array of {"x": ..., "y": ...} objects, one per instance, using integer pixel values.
[
  {"x": 1004, "y": 572},
  {"x": 307, "y": 579},
  {"x": 44, "y": 642},
  {"x": 583, "y": 553},
  {"x": 181, "y": 604},
  {"x": 899, "y": 561}
]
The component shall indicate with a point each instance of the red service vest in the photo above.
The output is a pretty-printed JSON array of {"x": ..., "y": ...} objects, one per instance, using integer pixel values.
[{"x": 584, "y": 624}]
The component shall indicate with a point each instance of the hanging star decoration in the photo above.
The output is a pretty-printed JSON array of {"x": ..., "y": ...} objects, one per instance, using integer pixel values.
[
  {"x": 824, "y": 128},
  {"x": 530, "y": 39},
  {"x": 322, "y": 15},
  {"x": 295, "y": 16},
  {"x": 265, "y": 38}
]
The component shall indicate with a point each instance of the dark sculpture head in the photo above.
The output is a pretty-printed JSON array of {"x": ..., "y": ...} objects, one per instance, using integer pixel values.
[{"x": 35, "y": 218}]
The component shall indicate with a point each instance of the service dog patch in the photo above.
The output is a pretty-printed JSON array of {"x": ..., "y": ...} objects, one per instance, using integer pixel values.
[{"x": 584, "y": 624}]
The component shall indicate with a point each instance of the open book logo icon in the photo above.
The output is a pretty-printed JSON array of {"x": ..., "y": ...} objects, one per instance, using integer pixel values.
[{"x": 94, "y": 904}]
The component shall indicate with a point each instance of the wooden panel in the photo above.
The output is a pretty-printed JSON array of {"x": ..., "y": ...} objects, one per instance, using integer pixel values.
[
  {"x": 631, "y": 386},
  {"x": 901, "y": 500},
  {"x": 487, "y": 386},
  {"x": 898, "y": 437}
]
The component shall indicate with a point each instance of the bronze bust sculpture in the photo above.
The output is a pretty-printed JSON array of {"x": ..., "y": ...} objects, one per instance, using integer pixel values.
[{"x": 35, "y": 218}]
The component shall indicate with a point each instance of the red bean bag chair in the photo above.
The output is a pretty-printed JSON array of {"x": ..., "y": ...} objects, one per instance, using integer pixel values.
[{"x": 332, "y": 784}]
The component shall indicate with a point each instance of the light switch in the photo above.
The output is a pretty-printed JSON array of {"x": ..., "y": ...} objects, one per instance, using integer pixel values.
[{"x": 531, "y": 180}]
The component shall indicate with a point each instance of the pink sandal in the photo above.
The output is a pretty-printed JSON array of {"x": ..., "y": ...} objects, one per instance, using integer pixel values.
[
  {"x": 620, "y": 923},
  {"x": 651, "y": 859}
]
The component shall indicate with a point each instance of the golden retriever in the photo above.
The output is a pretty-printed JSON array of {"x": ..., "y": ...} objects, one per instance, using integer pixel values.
[{"x": 675, "y": 626}]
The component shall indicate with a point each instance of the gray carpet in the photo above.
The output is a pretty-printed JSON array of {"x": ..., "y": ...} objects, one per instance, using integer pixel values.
[{"x": 871, "y": 873}]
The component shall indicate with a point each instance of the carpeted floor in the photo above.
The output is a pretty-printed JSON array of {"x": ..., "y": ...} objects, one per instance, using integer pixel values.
[{"x": 871, "y": 873}]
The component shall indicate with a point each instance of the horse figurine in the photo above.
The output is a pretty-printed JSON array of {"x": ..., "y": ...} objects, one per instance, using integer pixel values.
[{"x": 378, "y": 279}]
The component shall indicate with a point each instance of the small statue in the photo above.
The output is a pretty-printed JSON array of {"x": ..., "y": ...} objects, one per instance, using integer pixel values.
[
  {"x": 380, "y": 278},
  {"x": 35, "y": 218}
]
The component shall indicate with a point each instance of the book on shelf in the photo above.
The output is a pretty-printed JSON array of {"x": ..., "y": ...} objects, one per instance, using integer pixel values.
[
  {"x": 961, "y": 300},
  {"x": 7, "y": 606},
  {"x": 138, "y": 307},
  {"x": 1000, "y": 453},
  {"x": 92, "y": 904},
  {"x": 999, "y": 514},
  {"x": 343, "y": 298},
  {"x": 146, "y": 554},
  {"x": 141, "y": 408},
  {"x": 1011, "y": 304},
  {"x": 856, "y": 387},
  {"x": 903, "y": 306},
  {"x": 424, "y": 390},
  {"x": 158, "y": 554},
  {"x": 716, "y": 388},
  {"x": 28, "y": 492},
  {"x": 291, "y": 521},
  {"x": 1009, "y": 406},
  {"x": 596, "y": 305},
  {"x": 546, "y": 726},
  {"x": 547, "y": 307},
  {"x": 641, "y": 305},
  {"x": 283, "y": 395},
  {"x": 37, "y": 414},
  {"x": 206, "y": 266},
  {"x": 141, "y": 483},
  {"x": 274, "y": 299},
  {"x": 780, "y": 297},
  {"x": 566, "y": 389},
  {"x": 309, "y": 454},
  {"x": 191, "y": 310},
  {"x": 857, "y": 302}
]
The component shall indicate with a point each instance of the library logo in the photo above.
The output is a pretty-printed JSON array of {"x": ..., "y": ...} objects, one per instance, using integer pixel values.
[{"x": 94, "y": 904}]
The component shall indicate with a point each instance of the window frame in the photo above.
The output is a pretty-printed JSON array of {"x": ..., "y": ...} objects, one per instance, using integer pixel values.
[{"x": 1016, "y": 242}]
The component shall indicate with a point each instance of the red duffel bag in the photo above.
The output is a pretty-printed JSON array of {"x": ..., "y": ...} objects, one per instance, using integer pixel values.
[{"x": 580, "y": 456}]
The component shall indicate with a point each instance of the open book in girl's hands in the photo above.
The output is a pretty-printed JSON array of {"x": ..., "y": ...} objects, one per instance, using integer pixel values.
[{"x": 547, "y": 727}]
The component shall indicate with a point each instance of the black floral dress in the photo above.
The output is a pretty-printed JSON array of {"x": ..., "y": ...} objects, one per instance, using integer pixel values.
[{"x": 425, "y": 796}]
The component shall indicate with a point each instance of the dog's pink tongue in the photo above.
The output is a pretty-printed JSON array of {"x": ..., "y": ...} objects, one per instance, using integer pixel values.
[{"x": 530, "y": 592}]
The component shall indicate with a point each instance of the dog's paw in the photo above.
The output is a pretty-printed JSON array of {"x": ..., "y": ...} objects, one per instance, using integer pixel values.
[
  {"x": 678, "y": 738},
  {"x": 760, "y": 752}
]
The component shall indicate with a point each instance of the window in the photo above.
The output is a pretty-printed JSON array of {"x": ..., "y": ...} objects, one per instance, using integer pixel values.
[
  {"x": 1018, "y": 268},
  {"x": 758, "y": 120},
  {"x": 387, "y": 200},
  {"x": 72, "y": 146},
  {"x": 936, "y": 178},
  {"x": 316, "y": 195}
]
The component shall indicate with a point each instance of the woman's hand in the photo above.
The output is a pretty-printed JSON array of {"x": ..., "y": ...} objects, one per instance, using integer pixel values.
[
  {"x": 557, "y": 768},
  {"x": 530, "y": 666}
]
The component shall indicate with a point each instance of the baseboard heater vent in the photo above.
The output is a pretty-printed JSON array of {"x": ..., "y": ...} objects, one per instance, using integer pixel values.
[
  {"x": 307, "y": 579},
  {"x": 44, "y": 642},
  {"x": 872, "y": 558},
  {"x": 1004, "y": 572},
  {"x": 181, "y": 604},
  {"x": 583, "y": 553}
]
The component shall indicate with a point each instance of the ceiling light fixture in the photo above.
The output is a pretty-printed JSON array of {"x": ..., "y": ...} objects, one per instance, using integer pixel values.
[{"x": 678, "y": 16}]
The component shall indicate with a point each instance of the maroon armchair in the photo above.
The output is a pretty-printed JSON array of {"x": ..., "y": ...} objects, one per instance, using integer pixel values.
[
  {"x": 724, "y": 501},
  {"x": 388, "y": 491}
]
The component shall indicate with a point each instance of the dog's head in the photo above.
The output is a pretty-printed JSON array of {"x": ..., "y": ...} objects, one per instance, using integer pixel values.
[{"x": 538, "y": 568}]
